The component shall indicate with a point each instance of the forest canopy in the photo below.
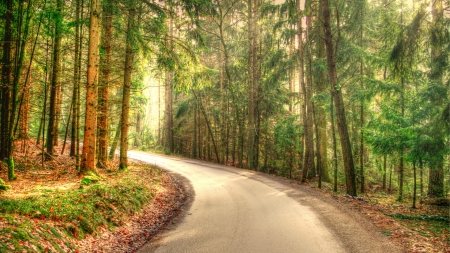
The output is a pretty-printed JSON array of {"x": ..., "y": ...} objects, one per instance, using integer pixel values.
[{"x": 353, "y": 94}]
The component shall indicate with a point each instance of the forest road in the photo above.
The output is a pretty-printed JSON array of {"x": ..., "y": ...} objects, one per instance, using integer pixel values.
[{"x": 235, "y": 210}]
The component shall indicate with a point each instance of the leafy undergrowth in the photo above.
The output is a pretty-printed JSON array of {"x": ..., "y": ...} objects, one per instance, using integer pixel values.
[
  {"x": 422, "y": 229},
  {"x": 51, "y": 208}
]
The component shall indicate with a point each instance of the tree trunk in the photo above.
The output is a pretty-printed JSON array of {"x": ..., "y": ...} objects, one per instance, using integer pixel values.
[
  {"x": 169, "y": 141},
  {"x": 421, "y": 179},
  {"x": 384, "y": 172},
  {"x": 415, "y": 185},
  {"x": 208, "y": 125},
  {"x": 25, "y": 108},
  {"x": 339, "y": 103},
  {"x": 105, "y": 70},
  {"x": 194, "y": 134},
  {"x": 308, "y": 132},
  {"x": 361, "y": 113},
  {"x": 6, "y": 68},
  {"x": 401, "y": 166},
  {"x": 436, "y": 179},
  {"x": 58, "y": 108},
  {"x": 253, "y": 87},
  {"x": 76, "y": 83},
  {"x": 333, "y": 134},
  {"x": 321, "y": 112},
  {"x": 127, "y": 90},
  {"x": 21, "y": 80},
  {"x": 52, "y": 129},
  {"x": 89, "y": 142},
  {"x": 115, "y": 141}
]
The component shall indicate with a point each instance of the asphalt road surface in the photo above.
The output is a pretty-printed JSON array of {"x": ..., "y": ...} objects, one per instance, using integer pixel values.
[{"x": 234, "y": 211}]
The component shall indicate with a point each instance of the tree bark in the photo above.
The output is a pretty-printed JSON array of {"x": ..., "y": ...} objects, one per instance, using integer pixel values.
[
  {"x": 334, "y": 143},
  {"x": 253, "y": 87},
  {"x": 112, "y": 151},
  {"x": 5, "y": 138},
  {"x": 76, "y": 83},
  {"x": 321, "y": 113},
  {"x": 384, "y": 172},
  {"x": 52, "y": 129},
  {"x": 105, "y": 70},
  {"x": 339, "y": 102},
  {"x": 169, "y": 141},
  {"x": 436, "y": 179},
  {"x": 127, "y": 90},
  {"x": 308, "y": 146},
  {"x": 361, "y": 113},
  {"x": 414, "y": 185},
  {"x": 89, "y": 142}
]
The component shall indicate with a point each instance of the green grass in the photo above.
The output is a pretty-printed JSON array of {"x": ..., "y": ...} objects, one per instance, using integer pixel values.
[
  {"x": 58, "y": 216},
  {"x": 425, "y": 225}
]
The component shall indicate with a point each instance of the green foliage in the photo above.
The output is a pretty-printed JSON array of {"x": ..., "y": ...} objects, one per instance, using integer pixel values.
[
  {"x": 404, "y": 54},
  {"x": 287, "y": 144}
]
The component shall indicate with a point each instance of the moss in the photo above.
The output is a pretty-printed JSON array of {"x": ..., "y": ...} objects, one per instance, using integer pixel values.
[
  {"x": 4, "y": 186},
  {"x": 76, "y": 212},
  {"x": 11, "y": 175}
]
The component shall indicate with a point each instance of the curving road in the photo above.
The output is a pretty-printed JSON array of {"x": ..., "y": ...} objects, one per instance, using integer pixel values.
[{"x": 234, "y": 211}]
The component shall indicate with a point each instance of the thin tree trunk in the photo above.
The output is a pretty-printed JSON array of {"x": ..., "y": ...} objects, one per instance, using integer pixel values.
[
  {"x": 421, "y": 180},
  {"x": 319, "y": 160},
  {"x": 44, "y": 111},
  {"x": 66, "y": 132},
  {"x": 390, "y": 178},
  {"x": 78, "y": 98},
  {"x": 169, "y": 141},
  {"x": 321, "y": 112},
  {"x": 308, "y": 132},
  {"x": 333, "y": 133},
  {"x": 401, "y": 165},
  {"x": 436, "y": 178},
  {"x": 127, "y": 90},
  {"x": 253, "y": 88},
  {"x": 291, "y": 73},
  {"x": 5, "y": 138},
  {"x": 105, "y": 70},
  {"x": 339, "y": 103},
  {"x": 361, "y": 113},
  {"x": 194, "y": 134},
  {"x": 159, "y": 113},
  {"x": 384, "y": 172},
  {"x": 202, "y": 109},
  {"x": 52, "y": 129},
  {"x": 58, "y": 108},
  {"x": 115, "y": 141},
  {"x": 415, "y": 185},
  {"x": 20, "y": 72},
  {"x": 76, "y": 84},
  {"x": 89, "y": 142}
]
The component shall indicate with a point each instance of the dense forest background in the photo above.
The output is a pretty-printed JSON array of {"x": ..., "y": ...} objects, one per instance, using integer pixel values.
[{"x": 351, "y": 93}]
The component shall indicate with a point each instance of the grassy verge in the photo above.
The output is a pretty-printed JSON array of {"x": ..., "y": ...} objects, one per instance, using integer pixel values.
[
  {"x": 50, "y": 219},
  {"x": 431, "y": 226}
]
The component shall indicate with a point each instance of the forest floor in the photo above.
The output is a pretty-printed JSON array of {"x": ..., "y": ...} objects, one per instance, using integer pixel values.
[
  {"x": 51, "y": 208},
  {"x": 123, "y": 210},
  {"x": 425, "y": 228}
]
